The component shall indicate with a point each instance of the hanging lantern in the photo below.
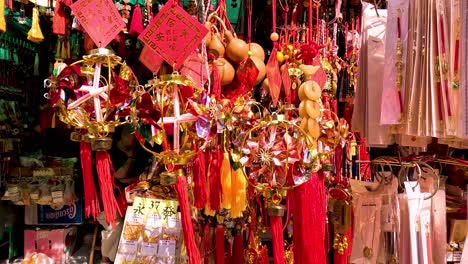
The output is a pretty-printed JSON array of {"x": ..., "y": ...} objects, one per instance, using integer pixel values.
[{"x": 94, "y": 104}]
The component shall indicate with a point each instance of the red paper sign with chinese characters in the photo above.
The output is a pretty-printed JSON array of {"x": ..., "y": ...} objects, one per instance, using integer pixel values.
[
  {"x": 151, "y": 59},
  {"x": 100, "y": 19},
  {"x": 173, "y": 34}
]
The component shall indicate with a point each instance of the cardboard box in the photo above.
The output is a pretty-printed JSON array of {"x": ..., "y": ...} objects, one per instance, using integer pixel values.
[
  {"x": 47, "y": 215},
  {"x": 58, "y": 244}
]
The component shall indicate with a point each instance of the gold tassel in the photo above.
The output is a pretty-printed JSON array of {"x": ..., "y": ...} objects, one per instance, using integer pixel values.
[
  {"x": 2, "y": 17},
  {"x": 58, "y": 50},
  {"x": 226, "y": 175},
  {"x": 66, "y": 49},
  {"x": 226, "y": 178},
  {"x": 239, "y": 188},
  {"x": 35, "y": 33},
  {"x": 52, "y": 124}
]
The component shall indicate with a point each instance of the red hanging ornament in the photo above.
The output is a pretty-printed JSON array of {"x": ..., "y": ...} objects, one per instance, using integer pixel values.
[
  {"x": 92, "y": 207},
  {"x": 106, "y": 184},
  {"x": 238, "y": 249},
  {"x": 219, "y": 244},
  {"x": 276, "y": 227},
  {"x": 309, "y": 222},
  {"x": 59, "y": 20},
  {"x": 193, "y": 253},
  {"x": 199, "y": 178},
  {"x": 274, "y": 75},
  {"x": 206, "y": 243},
  {"x": 136, "y": 26},
  {"x": 216, "y": 158}
]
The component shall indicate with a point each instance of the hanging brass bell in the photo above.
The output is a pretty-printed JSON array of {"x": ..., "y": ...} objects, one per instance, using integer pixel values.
[
  {"x": 276, "y": 210},
  {"x": 168, "y": 178},
  {"x": 101, "y": 144},
  {"x": 76, "y": 136}
]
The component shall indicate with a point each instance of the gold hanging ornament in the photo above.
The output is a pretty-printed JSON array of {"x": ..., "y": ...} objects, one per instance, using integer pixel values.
[
  {"x": 35, "y": 33},
  {"x": 2, "y": 17}
]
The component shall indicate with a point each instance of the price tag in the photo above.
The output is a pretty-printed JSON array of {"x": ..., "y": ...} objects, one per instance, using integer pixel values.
[
  {"x": 151, "y": 59},
  {"x": 173, "y": 34},
  {"x": 57, "y": 200},
  {"x": 128, "y": 246},
  {"x": 100, "y": 19},
  {"x": 57, "y": 194},
  {"x": 173, "y": 222},
  {"x": 167, "y": 248},
  {"x": 154, "y": 220}
]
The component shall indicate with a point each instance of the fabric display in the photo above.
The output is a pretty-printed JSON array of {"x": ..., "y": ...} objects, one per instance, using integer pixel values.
[{"x": 415, "y": 43}]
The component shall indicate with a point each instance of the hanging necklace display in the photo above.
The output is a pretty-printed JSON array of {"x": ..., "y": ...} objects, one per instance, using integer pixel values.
[{"x": 399, "y": 62}]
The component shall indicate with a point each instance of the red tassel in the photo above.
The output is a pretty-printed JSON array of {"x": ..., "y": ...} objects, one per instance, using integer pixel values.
[
  {"x": 229, "y": 258},
  {"x": 220, "y": 244},
  {"x": 136, "y": 26},
  {"x": 187, "y": 226},
  {"x": 91, "y": 199},
  {"x": 276, "y": 226},
  {"x": 238, "y": 255},
  {"x": 216, "y": 81},
  {"x": 206, "y": 243},
  {"x": 215, "y": 179},
  {"x": 264, "y": 256},
  {"x": 199, "y": 178},
  {"x": 59, "y": 20},
  {"x": 106, "y": 183},
  {"x": 309, "y": 222}
]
